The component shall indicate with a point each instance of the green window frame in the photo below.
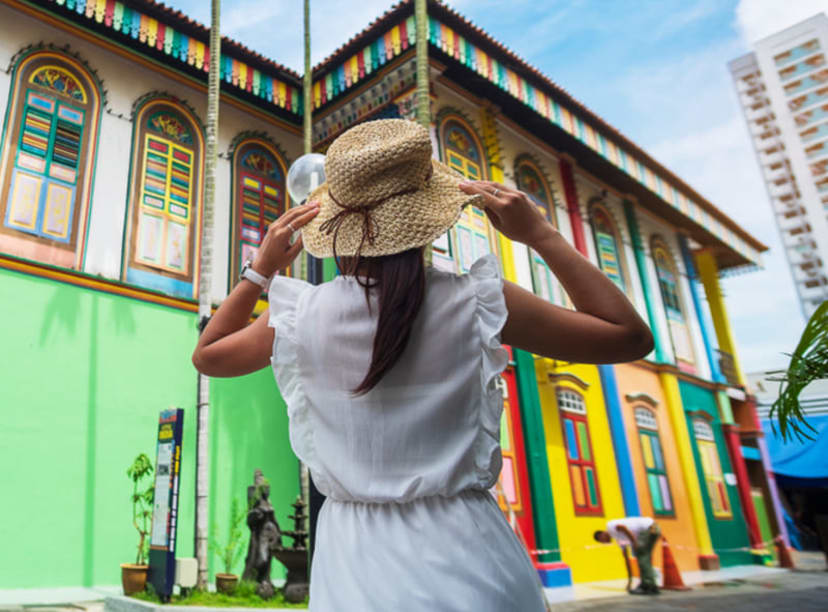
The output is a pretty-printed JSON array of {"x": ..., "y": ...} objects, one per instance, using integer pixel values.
[{"x": 49, "y": 150}]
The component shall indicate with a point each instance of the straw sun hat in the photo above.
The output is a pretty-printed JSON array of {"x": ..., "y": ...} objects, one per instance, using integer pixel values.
[{"x": 384, "y": 193}]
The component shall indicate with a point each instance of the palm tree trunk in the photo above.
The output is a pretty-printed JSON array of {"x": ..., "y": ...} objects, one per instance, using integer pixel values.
[
  {"x": 204, "y": 302},
  {"x": 423, "y": 95},
  {"x": 304, "y": 478},
  {"x": 423, "y": 99}
]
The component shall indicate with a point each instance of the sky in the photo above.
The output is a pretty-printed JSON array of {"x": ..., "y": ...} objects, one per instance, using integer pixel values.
[{"x": 654, "y": 69}]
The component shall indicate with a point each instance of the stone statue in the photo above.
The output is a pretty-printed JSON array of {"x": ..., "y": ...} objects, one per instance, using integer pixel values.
[
  {"x": 265, "y": 536},
  {"x": 266, "y": 543}
]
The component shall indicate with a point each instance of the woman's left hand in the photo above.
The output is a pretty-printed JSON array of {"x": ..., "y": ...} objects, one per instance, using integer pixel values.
[{"x": 276, "y": 252}]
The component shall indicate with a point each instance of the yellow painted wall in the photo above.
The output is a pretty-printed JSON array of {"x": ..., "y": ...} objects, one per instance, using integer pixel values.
[
  {"x": 589, "y": 560},
  {"x": 678, "y": 530}
]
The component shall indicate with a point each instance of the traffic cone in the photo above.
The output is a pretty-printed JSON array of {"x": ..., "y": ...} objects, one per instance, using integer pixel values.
[
  {"x": 672, "y": 577},
  {"x": 783, "y": 553}
]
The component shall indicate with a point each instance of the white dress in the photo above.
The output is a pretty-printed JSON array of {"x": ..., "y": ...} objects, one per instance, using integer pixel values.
[{"x": 409, "y": 523}]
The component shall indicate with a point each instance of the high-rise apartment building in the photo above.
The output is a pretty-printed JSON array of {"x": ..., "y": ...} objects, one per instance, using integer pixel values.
[{"x": 783, "y": 90}]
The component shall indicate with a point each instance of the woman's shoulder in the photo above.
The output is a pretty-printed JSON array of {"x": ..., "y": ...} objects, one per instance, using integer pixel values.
[{"x": 485, "y": 267}]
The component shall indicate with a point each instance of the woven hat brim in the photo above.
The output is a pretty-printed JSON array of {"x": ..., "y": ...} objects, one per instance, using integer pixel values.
[{"x": 404, "y": 222}]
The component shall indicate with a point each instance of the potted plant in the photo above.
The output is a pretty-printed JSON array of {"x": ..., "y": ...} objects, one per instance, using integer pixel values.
[
  {"x": 134, "y": 575},
  {"x": 230, "y": 552}
]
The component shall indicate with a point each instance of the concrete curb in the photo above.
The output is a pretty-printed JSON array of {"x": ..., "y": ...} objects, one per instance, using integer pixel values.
[{"x": 130, "y": 604}]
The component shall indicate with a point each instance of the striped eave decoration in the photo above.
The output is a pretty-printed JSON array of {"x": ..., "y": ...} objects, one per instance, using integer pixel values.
[
  {"x": 360, "y": 65},
  {"x": 190, "y": 51},
  {"x": 458, "y": 47}
]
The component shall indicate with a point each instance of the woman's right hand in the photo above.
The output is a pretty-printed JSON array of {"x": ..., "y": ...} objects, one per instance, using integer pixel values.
[{"x": 511, "y": 212}]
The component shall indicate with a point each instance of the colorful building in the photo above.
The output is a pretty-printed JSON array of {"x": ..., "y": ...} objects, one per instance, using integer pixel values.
[{"x": 101, "y": 183}]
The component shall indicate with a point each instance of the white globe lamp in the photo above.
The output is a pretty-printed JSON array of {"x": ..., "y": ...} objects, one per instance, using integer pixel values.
[{"x": 305, "y": 175}]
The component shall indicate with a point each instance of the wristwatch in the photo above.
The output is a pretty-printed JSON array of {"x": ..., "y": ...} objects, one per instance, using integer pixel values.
[{"x": 254, "y": 277}]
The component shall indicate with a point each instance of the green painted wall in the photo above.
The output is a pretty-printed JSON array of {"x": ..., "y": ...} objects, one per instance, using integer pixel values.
[
  {"x": 727, "y": 534},
  {"x": 84, "y": 376}
]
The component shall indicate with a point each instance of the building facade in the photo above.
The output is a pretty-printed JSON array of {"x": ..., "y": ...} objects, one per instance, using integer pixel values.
[
  {"x": 102, "y": 183},
  {"x": 782, "y": 86}
]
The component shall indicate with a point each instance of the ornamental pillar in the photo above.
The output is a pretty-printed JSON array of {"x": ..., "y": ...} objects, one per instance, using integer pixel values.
[
  {"x": 708, "y": 559},
  {"x": 708, "y": 272},
  {"x": 572, "y": 207},
  {"x": 491, "y": 142},
  {"x": 641, "y": 266}
]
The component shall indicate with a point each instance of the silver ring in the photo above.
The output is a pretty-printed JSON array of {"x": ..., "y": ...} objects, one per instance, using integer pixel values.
[
  {"x": 292, "y": 229},
  {"x": 495, "y": 192}
]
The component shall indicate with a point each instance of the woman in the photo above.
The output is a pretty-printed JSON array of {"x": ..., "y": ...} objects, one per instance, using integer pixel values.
[{"x": 390, "y": 372}]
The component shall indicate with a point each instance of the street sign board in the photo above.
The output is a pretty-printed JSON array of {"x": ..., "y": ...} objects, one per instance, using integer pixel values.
[{"x": 165, "y": 505}]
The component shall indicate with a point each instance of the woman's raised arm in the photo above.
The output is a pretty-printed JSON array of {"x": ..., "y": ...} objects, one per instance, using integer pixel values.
[
  {"x": 228, "y": 346},
  {"x": 605, "y": 328}
]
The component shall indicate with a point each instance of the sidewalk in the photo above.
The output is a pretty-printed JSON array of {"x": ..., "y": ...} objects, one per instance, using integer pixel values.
[
  {"x": 804, "y": 561},
  {"x": 91, "y": 599}
]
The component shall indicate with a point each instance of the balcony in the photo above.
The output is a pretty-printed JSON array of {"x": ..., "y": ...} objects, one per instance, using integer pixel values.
[
  {"x": 778, "y": 175},
  {"x": 765, "y": 132},
  {"x": 757, "y": 111},
  {"x": 782, "y": 189},
  {"x": 770, "y": 159}
]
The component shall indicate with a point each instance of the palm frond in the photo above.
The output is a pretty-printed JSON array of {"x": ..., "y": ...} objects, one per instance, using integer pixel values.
[{"x": 809, "y": 362}]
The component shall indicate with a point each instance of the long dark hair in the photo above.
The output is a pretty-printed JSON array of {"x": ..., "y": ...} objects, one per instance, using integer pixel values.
[{"x": 400, "y": 280}]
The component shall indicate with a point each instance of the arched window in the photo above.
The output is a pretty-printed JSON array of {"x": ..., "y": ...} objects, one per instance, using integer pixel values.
[
  {"x": 653, "y": 456},
  {"x": 508, "y": 481},
  {"x": 607, "y": 245},
  {"x": 586, "y": 494},
  {"x": 712, "y": 468},
  {"x": 668, "y": 279},
  {"x": 165, "y": 199},
  {"x": 258, "y": 198},
  {"x": 48, "y": 157},
  {"x": 472, "y": 235},
  {"x": 530, "y": 180}
]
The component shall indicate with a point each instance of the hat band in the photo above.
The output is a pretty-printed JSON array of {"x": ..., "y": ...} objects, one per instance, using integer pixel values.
[{"x": 370, "y": 229}]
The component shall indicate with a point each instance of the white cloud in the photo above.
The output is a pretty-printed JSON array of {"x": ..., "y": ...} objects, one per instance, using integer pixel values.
[{"x": 756, "y": 19}]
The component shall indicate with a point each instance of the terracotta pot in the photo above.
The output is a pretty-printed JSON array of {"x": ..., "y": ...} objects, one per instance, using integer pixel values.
[
  {"x": 133, "y": 577},
  {"x": 226, "y": 583}
]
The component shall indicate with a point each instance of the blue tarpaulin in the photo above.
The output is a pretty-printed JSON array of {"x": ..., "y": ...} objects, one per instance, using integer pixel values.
[{"x": 800, "y": 462}]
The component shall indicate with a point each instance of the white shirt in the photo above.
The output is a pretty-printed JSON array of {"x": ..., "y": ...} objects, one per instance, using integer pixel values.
[
  {"x": 636, "y": 525},
  {"x": 409, "y": 524}
]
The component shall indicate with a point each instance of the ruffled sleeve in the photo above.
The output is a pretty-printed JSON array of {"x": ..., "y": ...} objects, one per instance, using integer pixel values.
[
  {"x": 285, "y": 297},
  {"x": 491, "y": 315}
]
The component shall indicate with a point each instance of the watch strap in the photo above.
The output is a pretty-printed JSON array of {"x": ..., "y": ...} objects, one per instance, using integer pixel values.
[{"x": 254, "y": 277}]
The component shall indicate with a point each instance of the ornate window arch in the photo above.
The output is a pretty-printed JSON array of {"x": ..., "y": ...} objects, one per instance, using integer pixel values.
[
  {"x": 463, "y": 151},
  {"x": 668, "y": 283},
  {"x": 654, "y": 464},
  {"x": 162, "y": 232},
  {"x": 583, "y": 476},
  {"x": 531, "y": 180},
  {"x": 711, "y": 467},
  {"x": 608, "y": 245},
  {"x": 48, "y": 158},
  {"x": 259, "y": 197}
]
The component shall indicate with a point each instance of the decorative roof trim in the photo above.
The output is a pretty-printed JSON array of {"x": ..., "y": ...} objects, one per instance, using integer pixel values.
[
  {"x": 541, "y": 95},
  {"x": 615, "y": 148},
  {"x": 161, "y": 37},
  {"x": 333, "y": 82}
]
